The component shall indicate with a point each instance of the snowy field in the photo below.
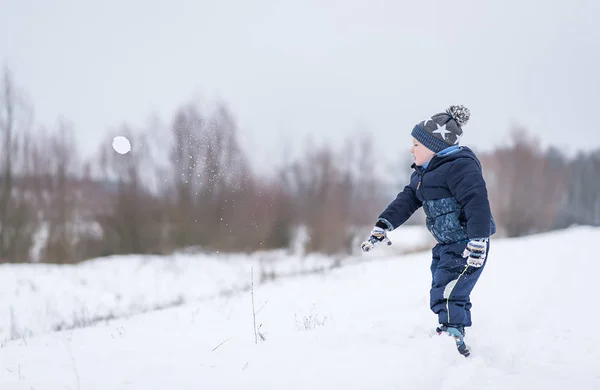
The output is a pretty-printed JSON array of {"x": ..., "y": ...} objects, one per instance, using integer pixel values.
[
  {"x": 41, "y": 298},
  {"x": 365, "y": 325}
]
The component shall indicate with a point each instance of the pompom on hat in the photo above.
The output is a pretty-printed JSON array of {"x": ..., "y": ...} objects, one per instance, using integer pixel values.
[{"x": 442, "y": 130}]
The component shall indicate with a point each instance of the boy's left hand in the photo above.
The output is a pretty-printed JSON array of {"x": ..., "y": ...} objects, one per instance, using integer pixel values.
[{"x": 476, "y": 252}]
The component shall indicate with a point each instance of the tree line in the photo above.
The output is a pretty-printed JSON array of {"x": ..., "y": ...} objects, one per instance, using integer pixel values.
[{"x": 190, "y": 184}]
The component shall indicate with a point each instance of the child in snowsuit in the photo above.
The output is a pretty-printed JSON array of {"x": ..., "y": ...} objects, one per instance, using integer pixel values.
[{"x": 447, "y": 182}]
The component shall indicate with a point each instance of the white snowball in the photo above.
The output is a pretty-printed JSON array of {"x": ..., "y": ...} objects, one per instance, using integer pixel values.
[{"x": 121, "y": 145}]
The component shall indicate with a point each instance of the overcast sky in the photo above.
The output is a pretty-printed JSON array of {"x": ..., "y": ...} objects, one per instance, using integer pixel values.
[{"x": 325, "y": 68}]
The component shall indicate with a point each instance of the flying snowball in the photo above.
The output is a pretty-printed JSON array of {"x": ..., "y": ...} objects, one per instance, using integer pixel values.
[{"x": 121, "y": 145}]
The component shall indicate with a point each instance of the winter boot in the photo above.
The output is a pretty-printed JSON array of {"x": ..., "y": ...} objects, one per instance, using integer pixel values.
[{"x": 458, "y": 332}]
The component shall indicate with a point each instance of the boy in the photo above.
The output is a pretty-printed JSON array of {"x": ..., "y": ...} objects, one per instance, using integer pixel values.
[{"x": 448, "y": 183}]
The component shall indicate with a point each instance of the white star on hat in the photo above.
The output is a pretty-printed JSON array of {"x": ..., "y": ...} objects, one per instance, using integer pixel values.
[
  {"x": 458, "y": 137},
  {"x": 442, "y": 130}
]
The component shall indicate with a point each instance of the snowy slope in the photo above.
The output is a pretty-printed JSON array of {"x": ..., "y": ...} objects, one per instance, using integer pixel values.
[
  {"x": 366, "y": 325},
  {"x": 41, "y": 297}
]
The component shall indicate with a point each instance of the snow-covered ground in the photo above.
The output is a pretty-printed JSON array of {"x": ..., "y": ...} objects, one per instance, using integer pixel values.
[
  {"x": 364, "y": 325},
  {"x": 40, "y": 298}
]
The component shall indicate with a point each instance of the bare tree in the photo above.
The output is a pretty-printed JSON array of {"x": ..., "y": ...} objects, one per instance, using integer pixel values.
[
  {"x": 188, "y": 131},
  {"x": 230, "y": 186},
  {"x": 335, "y": 192},
  {"x": 215, "y": 191},
  {"x": 364, "y": 179},
  {"x": 525, "y": 187},
  {"x": 581, "y": 204},
  {"x": 134, "y": 219},
  {"x": 317, "y": 185},
  {"x": 18, "y": 218},
  {"x": 61, "y": 216}
]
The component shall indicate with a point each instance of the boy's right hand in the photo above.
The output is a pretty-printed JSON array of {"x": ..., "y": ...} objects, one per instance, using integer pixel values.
[{"x": 377, "y": 235}]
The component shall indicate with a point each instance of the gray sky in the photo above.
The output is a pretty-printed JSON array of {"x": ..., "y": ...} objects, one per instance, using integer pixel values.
[{"x": 326, "y": 68}]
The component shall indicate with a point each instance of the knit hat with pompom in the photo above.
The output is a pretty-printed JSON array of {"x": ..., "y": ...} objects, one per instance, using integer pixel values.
[{"x": 442, "y": 130}]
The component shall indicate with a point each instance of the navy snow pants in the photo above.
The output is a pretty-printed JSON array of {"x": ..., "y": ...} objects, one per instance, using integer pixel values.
[{"x": 452, "y": 283}]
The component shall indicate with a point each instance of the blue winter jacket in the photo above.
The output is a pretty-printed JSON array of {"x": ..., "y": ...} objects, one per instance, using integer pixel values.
[{"x": 453, "y": 194}]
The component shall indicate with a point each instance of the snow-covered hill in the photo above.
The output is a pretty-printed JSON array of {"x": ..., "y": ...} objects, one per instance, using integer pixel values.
[
  {"x": 364, "y": 325},
  {"x": 40, "y": 298}
]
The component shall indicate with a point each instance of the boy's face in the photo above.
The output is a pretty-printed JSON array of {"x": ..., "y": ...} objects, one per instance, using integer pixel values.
[{"x": 420, "y": 153}]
